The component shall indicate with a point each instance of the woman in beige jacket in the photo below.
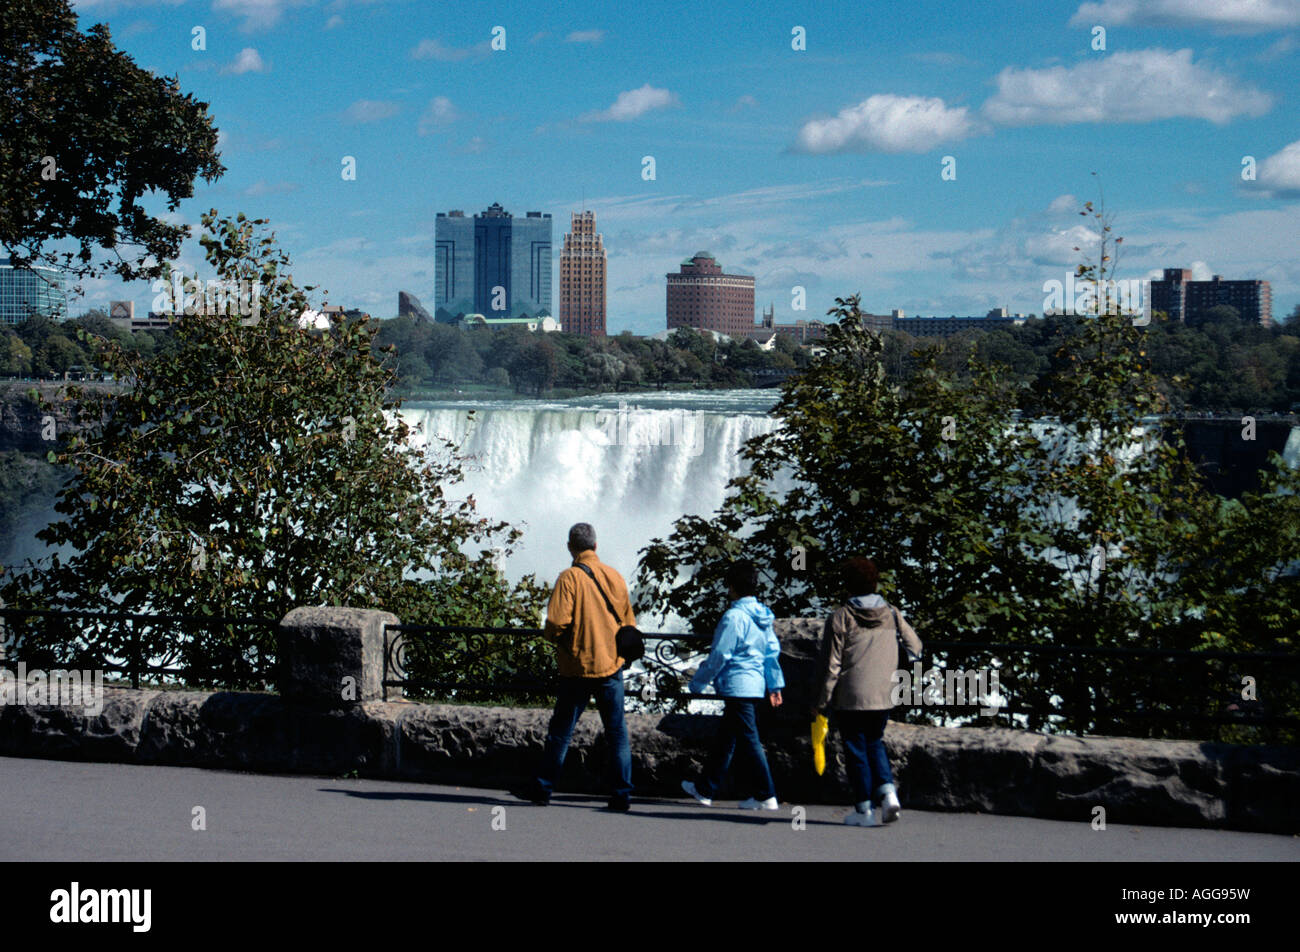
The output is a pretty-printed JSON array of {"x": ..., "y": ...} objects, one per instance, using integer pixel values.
[{"x": 859, "y": 655}]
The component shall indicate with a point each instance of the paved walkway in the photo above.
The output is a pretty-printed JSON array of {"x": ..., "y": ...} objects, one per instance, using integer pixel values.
[{"x": 66, "y": 811}]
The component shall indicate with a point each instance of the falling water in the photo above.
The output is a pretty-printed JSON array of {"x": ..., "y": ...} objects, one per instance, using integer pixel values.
[{"x": 629, "y": 465}]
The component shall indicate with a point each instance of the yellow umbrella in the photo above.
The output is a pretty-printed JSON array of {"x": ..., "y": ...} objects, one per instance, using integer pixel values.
[{"x": 820, "y": 728}]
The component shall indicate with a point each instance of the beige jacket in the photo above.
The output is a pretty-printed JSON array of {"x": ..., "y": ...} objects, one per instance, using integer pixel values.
[
  {"x": 580, "y": 624},
  {"x": 859, "y": 654}
]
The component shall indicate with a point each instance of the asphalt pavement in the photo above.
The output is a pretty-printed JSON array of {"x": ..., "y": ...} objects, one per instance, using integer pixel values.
[{"x": 73, "y": 811}]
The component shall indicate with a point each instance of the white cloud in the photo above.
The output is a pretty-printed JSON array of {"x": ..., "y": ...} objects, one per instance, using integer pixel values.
[
  {"x": 248, "y": 61},
  {"x": 258, "y": 15},
  {"x": 634, "y": 103},
  {"x": 744, "y": 102},
  {"x": 371, "y": 110},
  {"x": 887, "y": 123},
  {"x": 333, "y": 22},
  {"x": 585, "y": 36},
  {"x": 1063, "y": 247},
  {"x": 1244, "y": 16},
  {"x": 638, "y": 207},
  {"x": 441, "y": 112},
  {"x": 1279, "y": 174},
  {"x": 437, "y": 50},
  {"x": 1064, "y": 205},
  {"x": 475, "y": 146},
  {"x": 1279, "y": 48},
  {"x": 1131, "y": 86}
]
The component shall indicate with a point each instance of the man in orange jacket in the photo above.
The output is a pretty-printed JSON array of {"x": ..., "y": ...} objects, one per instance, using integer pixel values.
[{"x": 580, "y": 622}]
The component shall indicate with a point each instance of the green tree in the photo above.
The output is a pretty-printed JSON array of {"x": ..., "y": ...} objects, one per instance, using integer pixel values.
[
  {"x": 85, "y": 135},
  {"x": 258, "y": 467},
  {"x": 15, "y": 356},
  {"x": 1054, "y": 515},
  {"x": 534, "y": 366},
  {"x": 57, "y": 354}
]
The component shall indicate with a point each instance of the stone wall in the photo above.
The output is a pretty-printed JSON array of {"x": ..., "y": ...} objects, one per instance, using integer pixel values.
[{"x": 315, "y": 729}]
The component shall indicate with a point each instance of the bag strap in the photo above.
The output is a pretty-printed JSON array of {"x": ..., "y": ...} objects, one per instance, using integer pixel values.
[
  {"x": 608, "y": 604},
  {"x": 898, "y": 633}
]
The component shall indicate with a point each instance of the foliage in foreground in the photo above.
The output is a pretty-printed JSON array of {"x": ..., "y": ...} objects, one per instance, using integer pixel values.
[
  {"x": 255, "y": 467},
  {"x": 1005, "y": 513}
]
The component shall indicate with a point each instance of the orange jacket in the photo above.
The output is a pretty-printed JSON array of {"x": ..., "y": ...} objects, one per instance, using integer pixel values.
[{"x": 580, "y": 624}]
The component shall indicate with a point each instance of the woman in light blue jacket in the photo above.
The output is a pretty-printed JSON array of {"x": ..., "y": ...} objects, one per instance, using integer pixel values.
[{"x": 744, "y": 667}]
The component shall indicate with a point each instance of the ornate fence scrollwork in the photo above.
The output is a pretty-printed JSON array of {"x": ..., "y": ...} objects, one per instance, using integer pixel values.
[{"x": 504, "y": 665}]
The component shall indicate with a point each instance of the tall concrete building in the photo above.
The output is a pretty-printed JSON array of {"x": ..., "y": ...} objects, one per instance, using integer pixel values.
[
  {"x": 702, "y": 295},
  {"x": 492, "y": 264},
  {"x": 582, "y": 278},
  {"x": 1182, "y": 298}
]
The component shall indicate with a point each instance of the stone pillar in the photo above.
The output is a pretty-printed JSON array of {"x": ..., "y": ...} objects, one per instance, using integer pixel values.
[{"x": 332, "y": 658}]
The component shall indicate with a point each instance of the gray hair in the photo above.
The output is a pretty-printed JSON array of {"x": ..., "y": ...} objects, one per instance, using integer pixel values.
[{"x": 582, "y": 537}]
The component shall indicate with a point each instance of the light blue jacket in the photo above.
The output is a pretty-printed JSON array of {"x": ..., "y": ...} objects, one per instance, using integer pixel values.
[{"x": 745, "y": 658}]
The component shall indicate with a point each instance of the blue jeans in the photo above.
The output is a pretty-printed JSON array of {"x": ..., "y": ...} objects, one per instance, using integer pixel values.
[
  {"x": 866, "y": 761},
  {"x": 571, "y": 698},
  {"x": 739, "y": 728}
]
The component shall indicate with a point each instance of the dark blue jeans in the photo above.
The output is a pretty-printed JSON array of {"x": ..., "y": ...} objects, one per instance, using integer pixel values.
[
  {"x": 866, "y": 762},
  {"x": 739, "y": 727},
  {"x": 571, "y": 698}
]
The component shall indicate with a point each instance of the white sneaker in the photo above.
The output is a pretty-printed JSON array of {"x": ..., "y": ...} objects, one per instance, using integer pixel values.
[
  {"x": 752, "y": 804},
  {"x": 890, "y": 808},
  {"x": 689, "y": 787},
  {"x": 862, "y": 817}
]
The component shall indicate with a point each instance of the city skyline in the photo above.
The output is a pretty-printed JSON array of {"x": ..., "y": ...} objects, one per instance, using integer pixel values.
[{"x": 819, "y": 168}]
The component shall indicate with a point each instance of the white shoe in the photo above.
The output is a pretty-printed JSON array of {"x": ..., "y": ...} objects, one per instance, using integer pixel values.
[
  {"x": 862, "y": 817},
  {"x": 890, "y": 808},
  {"x": 752, "y": 804},
  {"x": 689, "y": 787}
]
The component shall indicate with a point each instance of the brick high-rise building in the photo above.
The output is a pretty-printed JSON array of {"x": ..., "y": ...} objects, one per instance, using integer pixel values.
[
  {"x": 703, "y": 296},
  {"x": 582, "y": 278},
  {"x": 1181, "y": 298}
]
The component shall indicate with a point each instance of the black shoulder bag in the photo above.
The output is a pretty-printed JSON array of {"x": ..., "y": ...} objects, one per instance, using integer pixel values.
[{"x": 628, "y": 640}]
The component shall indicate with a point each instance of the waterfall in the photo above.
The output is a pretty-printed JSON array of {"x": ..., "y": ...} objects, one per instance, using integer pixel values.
[
  {"x": 629, "y": 465},
  {"x": 1291, "y": 452}
]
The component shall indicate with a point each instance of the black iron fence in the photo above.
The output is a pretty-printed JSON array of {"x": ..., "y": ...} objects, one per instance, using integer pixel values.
[
  {"x": 193, "y": 650},
  {"x": 1247, "y": 697},
  {"x": 1136, "y": 692},
  {"x": 505, "y": 665}
]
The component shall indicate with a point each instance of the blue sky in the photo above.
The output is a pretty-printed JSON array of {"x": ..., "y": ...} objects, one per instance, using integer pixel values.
[{"x": 818, "y": 168}]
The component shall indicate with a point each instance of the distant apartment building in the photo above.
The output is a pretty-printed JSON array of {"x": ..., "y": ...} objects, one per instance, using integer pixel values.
[
  {"x": 492, "y": 264},
  {"x": 1182, "y": 298},
  {"x": 947, "y": 326},
  {"x": 31, "y": 290},
  {"x": 122, "y": 314},
  {"x": 703, "y": 296},
  {"x": 582, "y": 278}
]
